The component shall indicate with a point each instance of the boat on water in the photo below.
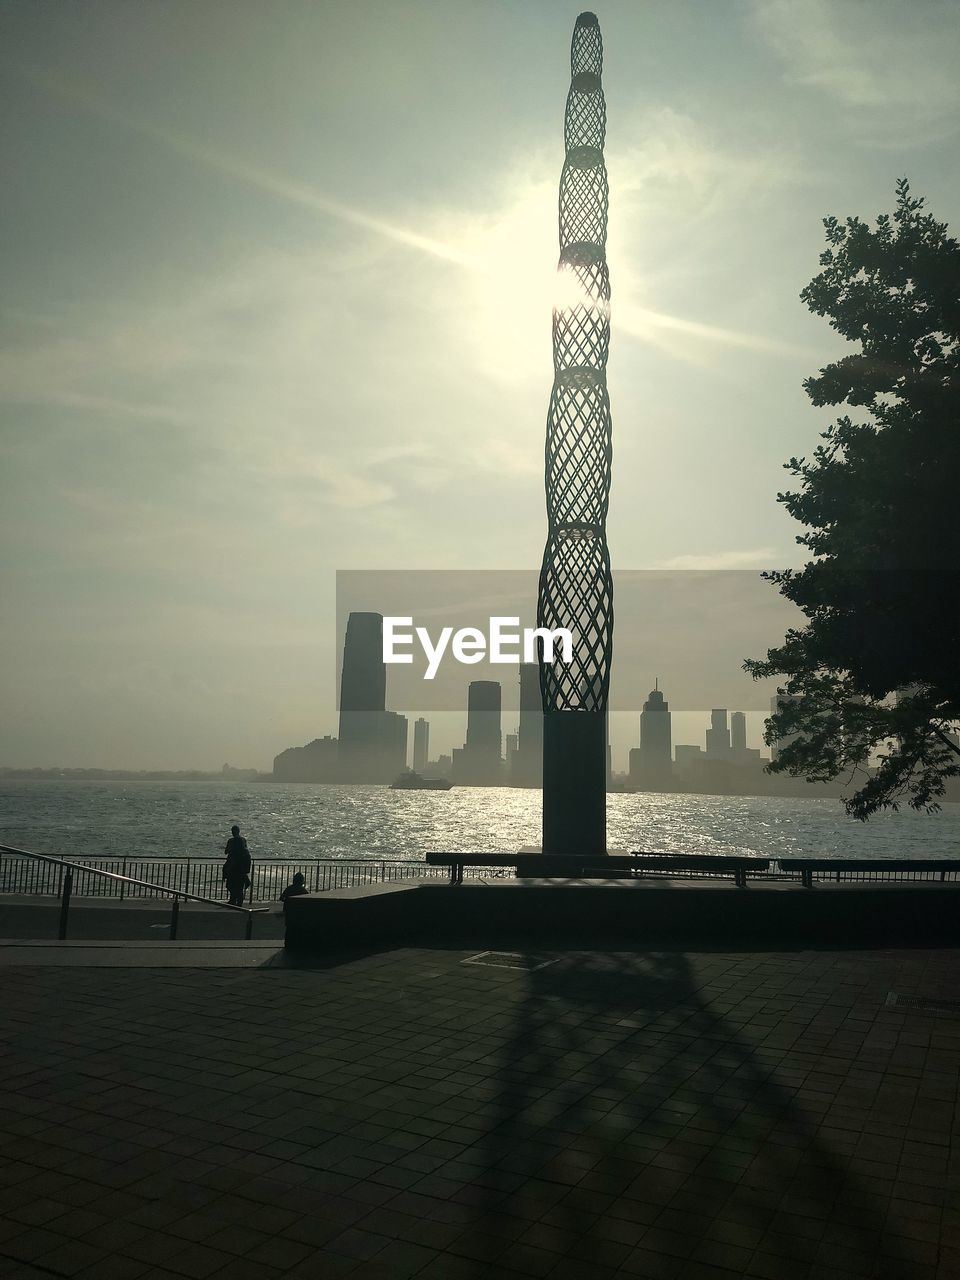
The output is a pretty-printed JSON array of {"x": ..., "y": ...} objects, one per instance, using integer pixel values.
[{"x": 411, "y": 781}]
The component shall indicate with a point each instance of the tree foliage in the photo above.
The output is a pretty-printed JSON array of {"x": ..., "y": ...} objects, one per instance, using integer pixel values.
[{"x": 876, "y": 670}]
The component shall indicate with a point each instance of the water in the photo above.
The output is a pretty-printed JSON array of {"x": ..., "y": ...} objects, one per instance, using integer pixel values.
[{"x": 292, "y": 821}]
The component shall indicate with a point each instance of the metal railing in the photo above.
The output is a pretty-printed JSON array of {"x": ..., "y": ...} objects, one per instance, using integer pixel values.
[
  {"x": 201, "y": 879},
  {"x": 870, "y": 870},
  {"x": 812, "y": 869},
  {"x": 65, "y": 890},
  {"x": 139, "y": 877}
]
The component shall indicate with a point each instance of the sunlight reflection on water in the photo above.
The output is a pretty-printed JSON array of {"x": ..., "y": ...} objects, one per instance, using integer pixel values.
[{"x": 289, "y": 820}]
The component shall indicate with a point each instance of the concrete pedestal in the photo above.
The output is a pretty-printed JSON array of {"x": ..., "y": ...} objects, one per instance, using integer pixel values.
[{"x": 575, "y": 784}]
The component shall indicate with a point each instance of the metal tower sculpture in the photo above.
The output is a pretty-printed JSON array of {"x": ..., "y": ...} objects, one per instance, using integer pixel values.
[{"x": 576, "y": 586}]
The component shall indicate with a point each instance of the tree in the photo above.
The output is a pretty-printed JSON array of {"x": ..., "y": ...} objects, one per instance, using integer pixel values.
[{"x": 876, "y": 670}]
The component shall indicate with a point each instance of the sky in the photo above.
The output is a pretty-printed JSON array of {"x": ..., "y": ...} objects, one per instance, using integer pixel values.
[{"x": 276, "y": 303}]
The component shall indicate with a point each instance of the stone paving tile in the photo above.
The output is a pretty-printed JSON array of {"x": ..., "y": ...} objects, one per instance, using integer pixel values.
[{"x": 691, "y": 1117}]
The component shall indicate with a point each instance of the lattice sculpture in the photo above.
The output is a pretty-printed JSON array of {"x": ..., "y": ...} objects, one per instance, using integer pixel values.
[{"x": 576, "y": 586}]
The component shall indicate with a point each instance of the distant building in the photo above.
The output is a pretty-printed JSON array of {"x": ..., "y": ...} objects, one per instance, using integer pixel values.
[
  {"x": 738, "y": 733},
  {"x": 687, "y": 758},
  {"x": 373, "y": 741},
  {"x": 511, "y": 747},
  {"x": 653, "y": 762},
  {"x": 478, "y": 762},
  {"x": 363, "y": 686},
  {"x": 718, "y": 735},
  {"x": 239, "y": 775},
  {"x": 526, "y": 768},
  {"x": 441, "y": 767},
  {"x": 393, "y": 746},
  {"x": 318, "y": 761},
  {"x": 421, "y": 745},
  {"x": 483, "y": 718}
]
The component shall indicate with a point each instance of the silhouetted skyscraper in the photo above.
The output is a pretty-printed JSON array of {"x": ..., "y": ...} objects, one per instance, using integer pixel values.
[
  {"x": 421, "y": 745},
  {"x": 718, "y": 735},
  {"x": 479, "y": 763},
  {"x": 527, "y": 769},
  {"x": 655, "y": 735},
  {"x": 483, "y": 718},
  {"x": 393, "y": 746},
  {"x": 738, "y": 733},
  {"x": 363, "y": 680},
  {"x": 363, "y": 687}
]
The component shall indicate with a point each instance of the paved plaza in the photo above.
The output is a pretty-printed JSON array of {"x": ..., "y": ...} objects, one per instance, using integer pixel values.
[{"x": 583, "y": 1116}]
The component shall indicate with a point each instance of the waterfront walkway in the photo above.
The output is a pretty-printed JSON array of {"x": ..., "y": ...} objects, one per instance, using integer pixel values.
[
  {"x": 26, "y": 916},
  {"x": 584, "y": 1116}
]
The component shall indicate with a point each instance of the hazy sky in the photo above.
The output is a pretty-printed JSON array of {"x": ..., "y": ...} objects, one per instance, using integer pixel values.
[{"x": 276, "y": 298}]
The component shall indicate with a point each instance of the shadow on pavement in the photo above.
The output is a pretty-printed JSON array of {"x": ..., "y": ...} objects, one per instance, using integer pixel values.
[{"x": 636, "y": 1129}]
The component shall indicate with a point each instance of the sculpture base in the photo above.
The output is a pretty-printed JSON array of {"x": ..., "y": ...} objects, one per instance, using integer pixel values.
[
  {"x": 574, "y": 784},
  {"x": 624, "y": 914}
]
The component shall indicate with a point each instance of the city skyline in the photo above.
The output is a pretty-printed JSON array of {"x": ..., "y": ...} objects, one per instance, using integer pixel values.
[
  {"x": 255, "y": 328},
  {"x": 728, "y": 741},
  {"x": 477, "y": 753},
  {"x": 489, "y": 751}
]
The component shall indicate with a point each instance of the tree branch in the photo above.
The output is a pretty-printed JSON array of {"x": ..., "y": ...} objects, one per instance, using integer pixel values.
[{"x": 947, "y": 742}]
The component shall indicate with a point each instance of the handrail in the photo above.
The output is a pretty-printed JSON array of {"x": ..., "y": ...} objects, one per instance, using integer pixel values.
[
  {"x": 148, "y": 884},
  {"x": 303, "y": 860},
  {"x": 176, "y": 894},
  {"x": 201, "y": 875}
]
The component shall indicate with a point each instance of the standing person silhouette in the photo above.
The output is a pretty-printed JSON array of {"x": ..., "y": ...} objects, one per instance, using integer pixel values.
[{"x": 236, "y": 868}]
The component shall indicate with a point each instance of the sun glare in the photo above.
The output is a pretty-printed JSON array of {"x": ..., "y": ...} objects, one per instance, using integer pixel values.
[
  {"x": 570, "y": 291},
  {"x": 512, "y": 285}
]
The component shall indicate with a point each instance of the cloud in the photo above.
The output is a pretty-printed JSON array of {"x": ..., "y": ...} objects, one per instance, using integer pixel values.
[
  {"x": 755, "y": 558},
  {"x": 657, "y": 328},
  {"x": 509, "y": 458},
  {"x": 679, "y": 197},
  {"x": 893, "y": 65},
  {"x": 100, "y": 405},
  {"x": 689, "y": 167},
  {"x": 284, "y": 188}
]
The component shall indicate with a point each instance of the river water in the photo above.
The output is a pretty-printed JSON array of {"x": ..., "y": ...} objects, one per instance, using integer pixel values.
[{"x": 293, "y": 821}]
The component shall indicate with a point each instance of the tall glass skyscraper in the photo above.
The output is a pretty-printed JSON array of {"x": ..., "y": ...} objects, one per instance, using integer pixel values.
[{"x": 363, "y": 691}]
